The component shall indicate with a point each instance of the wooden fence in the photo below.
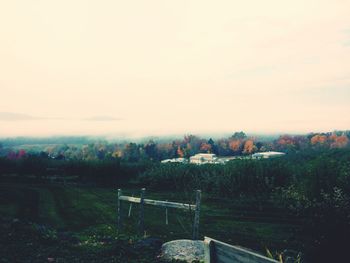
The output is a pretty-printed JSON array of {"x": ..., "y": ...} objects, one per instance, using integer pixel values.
[
  {"x": 142, "y": 202},
  {"x": 219, "y": 252}
]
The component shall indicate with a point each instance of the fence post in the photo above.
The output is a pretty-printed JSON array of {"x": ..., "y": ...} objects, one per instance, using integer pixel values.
[
  {"x": 130, "y": 207},
  {"x": 166, "y": 215},
  {"x": 141, "y": 215},
  {"x": 209, "y": 256},
  {"x": 196, "y": 215},
  {"x": 119, "y": 223}
]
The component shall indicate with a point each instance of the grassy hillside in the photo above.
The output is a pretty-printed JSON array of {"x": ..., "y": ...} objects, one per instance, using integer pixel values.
[{"x": 89, "y": 216}]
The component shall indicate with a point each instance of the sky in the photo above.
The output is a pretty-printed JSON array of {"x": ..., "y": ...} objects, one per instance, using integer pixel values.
[{"x": 155, "y": 67}]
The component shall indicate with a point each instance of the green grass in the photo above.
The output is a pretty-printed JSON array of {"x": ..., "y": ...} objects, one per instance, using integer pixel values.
[{"x": 89, "y": 212}]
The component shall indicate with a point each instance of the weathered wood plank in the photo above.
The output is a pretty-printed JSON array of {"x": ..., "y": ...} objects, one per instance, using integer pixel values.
[
  {"x": 169, "y": 204},
  {"x": 225, "y": 253},
  {"x": 158, "y": 203},
  {"x": 130, "y": 199}
]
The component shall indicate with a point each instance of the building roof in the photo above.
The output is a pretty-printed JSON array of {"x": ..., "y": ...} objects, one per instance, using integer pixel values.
[
  {"x": 204, "y": 155},
  {"x": 268, "y": 153}
]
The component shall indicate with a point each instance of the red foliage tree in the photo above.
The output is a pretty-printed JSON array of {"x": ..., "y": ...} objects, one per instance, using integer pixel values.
[{"x": 318, "y": 139}]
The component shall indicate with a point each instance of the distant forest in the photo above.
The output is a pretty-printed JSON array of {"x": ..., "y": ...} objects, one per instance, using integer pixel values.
[
  {"x": 310, "y": 184},
  {"x": 93, "y": 149}
]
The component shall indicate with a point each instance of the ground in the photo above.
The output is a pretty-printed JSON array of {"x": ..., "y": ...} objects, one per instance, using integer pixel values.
[{"x": 43, "y": 223}]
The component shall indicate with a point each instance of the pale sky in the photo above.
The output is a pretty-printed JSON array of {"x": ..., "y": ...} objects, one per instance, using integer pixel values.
[{"x": 166, "y": 67}]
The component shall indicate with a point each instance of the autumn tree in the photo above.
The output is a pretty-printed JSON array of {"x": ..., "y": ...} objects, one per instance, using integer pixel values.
[
  {"x": 338, "y": 141},
  {"x": 206, "y": 147},
  {"x": 191, "y": 145},
  {"x": 318, "y": 139},
  {"x": 249, "y": 147},
  {"x": 236, "y": 142},
  {"x": 286, "y": 140},
  {"x": 236, "y": 145}
]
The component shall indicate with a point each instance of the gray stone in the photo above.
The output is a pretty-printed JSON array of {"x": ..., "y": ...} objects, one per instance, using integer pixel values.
[{"x": 183, "y": 250}]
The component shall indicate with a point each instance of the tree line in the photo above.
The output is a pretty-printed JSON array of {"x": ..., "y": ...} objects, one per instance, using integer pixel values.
[{"x": 237, "y": 144}]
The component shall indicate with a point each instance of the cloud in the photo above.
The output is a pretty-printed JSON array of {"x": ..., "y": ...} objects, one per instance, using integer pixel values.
[
  {"x": 12, "y": 116},
  {"x": 102, "y": 118}
]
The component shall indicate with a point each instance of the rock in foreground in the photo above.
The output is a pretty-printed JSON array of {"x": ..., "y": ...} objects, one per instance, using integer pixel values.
[{"x": 183, "y": 250}]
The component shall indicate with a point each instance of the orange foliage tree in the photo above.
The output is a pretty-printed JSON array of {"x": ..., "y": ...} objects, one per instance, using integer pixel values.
[
  {"x": 318, "y": 139},
  {"x": 235, "y": 145},
  {"x": 286, "y": 140},
  {"x": 206, "y": 147},
  {"x": 338, "y": 141},
  {"x": 249, "y": 146}
]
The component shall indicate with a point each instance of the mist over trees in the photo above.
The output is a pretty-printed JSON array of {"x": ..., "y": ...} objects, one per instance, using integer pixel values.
[{"x": 84, "y": 148}]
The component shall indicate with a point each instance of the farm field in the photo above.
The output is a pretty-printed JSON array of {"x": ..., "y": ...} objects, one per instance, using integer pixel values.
[{"x": 88, "y": 215}]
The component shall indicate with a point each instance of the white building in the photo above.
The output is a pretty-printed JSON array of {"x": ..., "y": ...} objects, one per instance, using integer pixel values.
[
  {"x": 265, "y": 155},
  {"x": 175, "y": 160},
  {"x": 202, "y": 158},
  {"x": 209, "y": 158}
]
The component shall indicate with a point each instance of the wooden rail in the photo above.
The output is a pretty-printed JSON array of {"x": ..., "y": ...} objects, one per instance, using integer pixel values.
[
  {"x": 142, "y": 201},
  {"x": 219, "y": 252},
  {"x": 157, "y": 203}
]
